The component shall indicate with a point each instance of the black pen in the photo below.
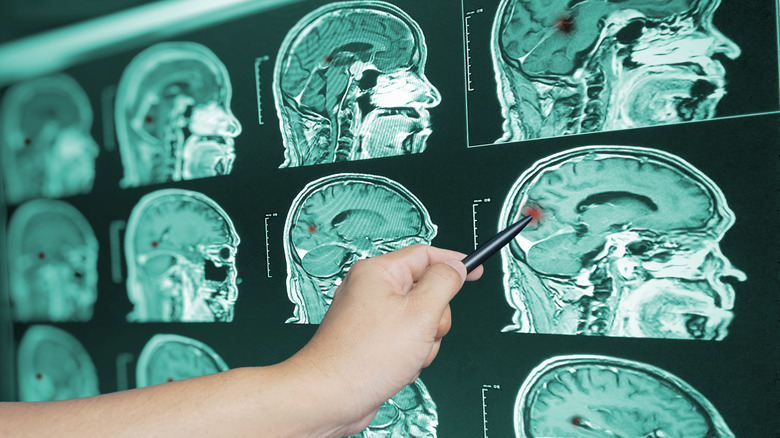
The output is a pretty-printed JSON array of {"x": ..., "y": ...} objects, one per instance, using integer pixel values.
[{"x": 495, "y": 243}]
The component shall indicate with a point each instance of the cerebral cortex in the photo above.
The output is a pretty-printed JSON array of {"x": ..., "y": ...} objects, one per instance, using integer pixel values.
[{"x": 551, "y": 38}]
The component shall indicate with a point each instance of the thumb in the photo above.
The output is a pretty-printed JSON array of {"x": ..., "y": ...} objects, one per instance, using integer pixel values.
[{"x": 440, "y": 283}]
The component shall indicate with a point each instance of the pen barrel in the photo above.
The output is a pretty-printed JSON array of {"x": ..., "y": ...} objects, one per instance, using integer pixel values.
[{"x": 492, "y": 246}]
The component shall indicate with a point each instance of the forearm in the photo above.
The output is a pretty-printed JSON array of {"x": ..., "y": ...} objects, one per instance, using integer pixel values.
[{"x": 273, "y": 401}]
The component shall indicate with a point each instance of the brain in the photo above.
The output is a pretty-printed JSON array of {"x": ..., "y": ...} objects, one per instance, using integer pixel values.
[
  {"x": 356, "y": 207},
  {"x": 332, "y": 39},
  {"x": 582, "y": 395},
  {"x": 549, "y": 38},
  {"x": 167, "y": 358},
  {"x": 177, "y": 219},
  {"x": 583, "y": 195}
]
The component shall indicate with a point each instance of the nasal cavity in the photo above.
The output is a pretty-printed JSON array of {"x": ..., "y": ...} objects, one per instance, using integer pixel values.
[{"x": 214, "y": 272}]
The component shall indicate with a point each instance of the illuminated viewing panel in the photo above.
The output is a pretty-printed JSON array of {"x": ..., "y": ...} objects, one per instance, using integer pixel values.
[
  {"x": 180, "y": 248},
  {"x": 45, "y": 141},
  {"x": 349, "y": 84},
  {"x": 589, "y": 396},
  {"x": 167, "y": 358},
  {"x": 336, "y": 221},
  {"x": 625, "y": 242},
  {"x": 173, "y": 117},
  {"x": 53, "y": 273},
  {"x": 53, "y": 365}
]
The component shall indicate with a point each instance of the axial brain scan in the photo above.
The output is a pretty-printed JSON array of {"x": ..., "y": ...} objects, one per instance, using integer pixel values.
[
  {"x": 167, "y": 358},
  {"x": 173, "y": 117},
  {"x": 349, "y": 84},
  {"x": 46, "y": 145},
  {"x": 410, "y": 413},
  {"x": 180, "y": 248},
  {"x": 590, "y": 396},
  {"x": 625, "y": 242},
  {"x": 571, "y": 67},
  {"x": 53, "y": 365},
  {"x": 336, "y": 221},
  {"x": 53, "y": 270}
]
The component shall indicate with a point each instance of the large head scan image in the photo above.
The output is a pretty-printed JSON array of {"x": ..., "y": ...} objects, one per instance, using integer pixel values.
[
  {"x": 173, "y": 117},
  {"x": 410, "y": 413},
  {"x": 45, "y": 142},
  {"x": 565, "y": 68},
  {"x": 600, "y": 396},
  {"x": 349, "y": 84},
  {"x": 625, "y": 243},
  {"x": 180, "y": 248},
  {"x": 52, "y": 263},
  {"x": 336, "y": 221},
  {"x": 53, "y": 365},
  {"x": 168, "y": 358}
]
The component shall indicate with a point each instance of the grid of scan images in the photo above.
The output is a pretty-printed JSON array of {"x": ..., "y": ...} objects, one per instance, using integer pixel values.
[{"x": 187, "y": 201}]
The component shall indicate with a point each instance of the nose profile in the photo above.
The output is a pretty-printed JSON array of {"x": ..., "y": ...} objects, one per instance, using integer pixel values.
[
  {"x": 722, "y": 44},
  {"x": 232, "y": 126}
]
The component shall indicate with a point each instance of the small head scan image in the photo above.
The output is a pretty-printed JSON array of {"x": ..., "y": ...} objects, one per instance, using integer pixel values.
[
  {"x": 52, "y": 264},
  {"x": 180, "y": 248},
  {"x": 336, "y": 221},
  {"x": 53, "y": 365},
  {"x": 349, "y": 84},
  {"x": 410, "y": 413},
  {"x": 168, "y": 358},
  {"x": 45, "y": 141},
  {"x": 566, "y": 68},
  {"x": 599, "y": 396},
  {"x": 625, "y": 242},
  {"x": 173, "y": 117}
]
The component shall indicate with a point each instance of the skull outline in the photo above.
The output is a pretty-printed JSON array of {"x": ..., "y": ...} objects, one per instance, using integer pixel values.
[
  {"x": 311, "y": 294},
  {"x": 54, "y": 275},
  {"x": 613, "y": 276},
  {"x": 47, "y": 147},
  {"x": 178, "y": 349},
  {"x": 351, "y": 106},
  {"x": 644, "y": 67},
  {"x": 168, "y": 266},
  {"x": 173, "y": 117}
]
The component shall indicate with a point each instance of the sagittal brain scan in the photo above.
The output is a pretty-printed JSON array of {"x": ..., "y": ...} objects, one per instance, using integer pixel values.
[
  {"x": 625, "y": 242},
  {"x": 168, "y": 358},
  {"x": 53, "y": 365},
  {"x": 410, "y": 413},
  {"x": 336, "y": 221},
  {"x": 173, "y": 117},
  {"x": 53, "y": 263},
  {"x": 566, "y": 68},
  {"x": 180, "y": 248},
  {"x": 349, "y": 84},
  {"x": 46, "y": 144},
  {"x": 599, "y": 396}
]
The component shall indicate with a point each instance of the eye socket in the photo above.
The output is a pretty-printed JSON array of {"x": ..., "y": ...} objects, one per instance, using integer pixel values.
[
  {"x": 631, "y": 32},
  {"x": 326, "y": 261},
  {"x": 224, "y": 253},
  {"x": 639, "y": 248}
]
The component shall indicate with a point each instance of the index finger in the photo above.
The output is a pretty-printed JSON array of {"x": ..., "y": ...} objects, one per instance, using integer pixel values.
[{"x": 409, "y": 263}]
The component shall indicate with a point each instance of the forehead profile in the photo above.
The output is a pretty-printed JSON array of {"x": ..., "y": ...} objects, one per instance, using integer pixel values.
[{"x": 44, "y": 223}]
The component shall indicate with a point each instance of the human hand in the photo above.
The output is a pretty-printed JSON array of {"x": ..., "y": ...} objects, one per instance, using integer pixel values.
[{"x": 384, "y": 326}]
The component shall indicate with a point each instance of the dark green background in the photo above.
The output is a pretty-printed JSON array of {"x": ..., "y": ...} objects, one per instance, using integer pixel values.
[{"x": 738, "y": 375}]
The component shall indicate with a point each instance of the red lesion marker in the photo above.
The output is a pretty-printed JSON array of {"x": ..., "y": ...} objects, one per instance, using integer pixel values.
[
  {"x": 27, "y": 142},
  {"x": 565, "y": 24},
  {"x": 534, "y": 211},
  {"x": 149, "y": 119},
  {"x": 41, "y": 255},
  {"x": 328, "y": 59},
  {"x": 576, "y": 421},
  {"x": 39, "y": 376},
  {"x": 155, "y": 244},
  {"x": 312, "y": 228}
]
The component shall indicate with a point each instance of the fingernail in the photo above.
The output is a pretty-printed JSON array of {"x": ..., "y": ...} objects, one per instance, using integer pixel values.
[{"x": 458, "y": 266}]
